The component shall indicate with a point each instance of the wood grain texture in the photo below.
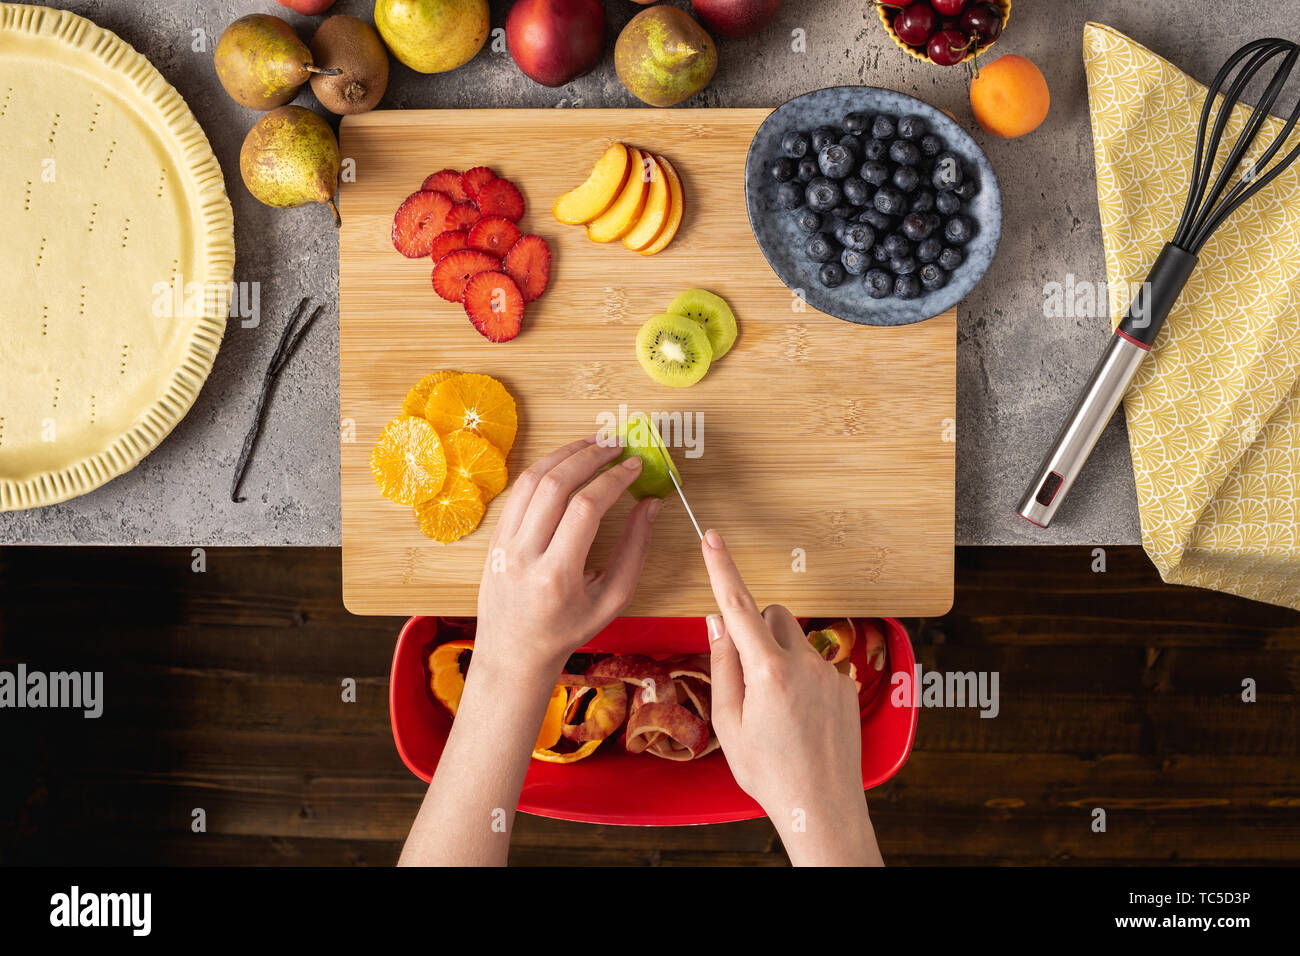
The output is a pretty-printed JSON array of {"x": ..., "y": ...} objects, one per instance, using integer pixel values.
[{"x": 817, "y": 434}]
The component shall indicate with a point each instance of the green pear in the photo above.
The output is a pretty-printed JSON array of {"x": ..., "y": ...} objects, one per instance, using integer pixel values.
[
  {"x": 290, "y": 158},
  {"x": 262, "y": 63},
  {"x": 663, "y": 56},
  {"x": 433, "y": 36}
]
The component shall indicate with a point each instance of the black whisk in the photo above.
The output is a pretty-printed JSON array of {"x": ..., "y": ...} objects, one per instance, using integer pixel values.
[{"x": 1206, "y": 209}]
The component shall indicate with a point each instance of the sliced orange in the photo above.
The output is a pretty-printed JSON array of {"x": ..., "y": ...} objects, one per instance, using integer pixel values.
[
  {"x": 452, "y": 513},
  {"x": 418, "y": 396},
  {"x": 408, "y": 461},
  {"x": 553, "y": 722},
  {"x": 478, "y": 403},
  {"x": 447, "y": 666},
  {"x": 472, "y": 456}
]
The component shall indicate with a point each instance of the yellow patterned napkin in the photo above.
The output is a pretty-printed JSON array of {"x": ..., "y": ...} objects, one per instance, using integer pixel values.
[{"x": 1214, "y": 413}]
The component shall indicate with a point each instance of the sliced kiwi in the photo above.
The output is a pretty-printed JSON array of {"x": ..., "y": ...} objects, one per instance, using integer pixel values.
[
  {"x": 639, "y": 437},
  {"x": 710, "y": 311},
  {"x": 674, "y": 350}
]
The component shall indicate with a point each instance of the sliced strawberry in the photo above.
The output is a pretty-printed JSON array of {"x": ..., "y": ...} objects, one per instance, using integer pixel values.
[
  {"x": 420, "y": 218},
  {"x": 529, "y": 263},
  {"x": 447, "y": 181},
  {"x": 493, "y": 235},
  {"x": 495, "y": 306},
  {"x": 448, "y": 241},
  {"x": 457, "y": 268},
  {"x": 500, "y": 198},
  {"x": 462, "y": 216},
  {"x": 472, "y": 180}
]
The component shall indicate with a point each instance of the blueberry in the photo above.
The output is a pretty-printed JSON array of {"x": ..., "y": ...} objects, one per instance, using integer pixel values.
[
  {"x": 831, "y": 274},
  {"x": 875, "y": 149},
  {"x": 890, "y": 200},
  {"x": 906, "y": 178},
  {"x": 855, "y": 262},
  {"x": 907, "y": 287},
  {"x": 933, "y": 277},
  {"x": 876, "y": 219},
  {"x": 911, "y": 127},
  {"x": 931, "y": 146},
  {"x": 882, "y": 128},
  {"x": 928, "y": 250},
  {"x": 823, "y": 194},
  {"x": 823, "y": 136},
  {"x": 879, "y": 254},
  {"x": 783, "y": 169},
  {"x": 807, "y": 220},
  {"x": 958, "y": 230},
  {"x": 951, "y": 258},
  {"x": 874, "y": 172},
  {"x": 789, "y": 196},
  {"x": 836, "y": 161},
  {"x": 897, "y": 245},
  {"x": 794, "y": 144},
  {"x": 917, "y": 226},
  {"x": 857, "y": 123},
  {"x": 947, "y": 171},
  {"x": 904, "y": 153},
  {"x": 947, "y": 203},
  {"x": 922, "y": 201},
  {"x": 856, "y": 191},
  {"x": 859, "y": 237},
  {"x": 903, "y": 265},
  {"x": 807, "y": 170},
  {"x": 851, "y": 143},
  {"x": 967, "y": 189},
  {"x": 821, "y": 248},
  {"x": 878, "y": 283}
]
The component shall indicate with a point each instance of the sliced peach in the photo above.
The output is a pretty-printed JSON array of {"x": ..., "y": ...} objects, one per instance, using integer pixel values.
[
  {"x": 676, "y": 208},
  {"x": 597, "y": 194},
  {"x": 619, "y": 218},
  {"x": 655, "y": 213}
]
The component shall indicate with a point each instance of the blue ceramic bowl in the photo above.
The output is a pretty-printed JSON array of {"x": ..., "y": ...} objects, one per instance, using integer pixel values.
[{"x": 782, "y": 241}]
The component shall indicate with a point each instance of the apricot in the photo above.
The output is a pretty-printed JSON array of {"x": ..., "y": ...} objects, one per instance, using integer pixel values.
[
  {"x": 618, "y": 220},
  {"x": 656, "y": 209},
  {"x": 676, "y": 209},
  {"x": 598, "y": 193},
  {"x": 1009, "y": 96}
]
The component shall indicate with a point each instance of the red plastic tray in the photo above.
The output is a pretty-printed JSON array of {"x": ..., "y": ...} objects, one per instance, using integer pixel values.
[{"x": 612, "y": 785}]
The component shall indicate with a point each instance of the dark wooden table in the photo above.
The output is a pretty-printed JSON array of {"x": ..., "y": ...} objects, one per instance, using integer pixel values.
[{"x": 224, "y": 693}]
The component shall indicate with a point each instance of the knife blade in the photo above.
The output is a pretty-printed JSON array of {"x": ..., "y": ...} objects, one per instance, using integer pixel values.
[{"x": 659, "y": 443}]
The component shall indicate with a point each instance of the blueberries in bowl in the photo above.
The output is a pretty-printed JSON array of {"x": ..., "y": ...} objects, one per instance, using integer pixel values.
[
  {"x": 836, "y": 161},
  {"x": 878, "y": 197}
]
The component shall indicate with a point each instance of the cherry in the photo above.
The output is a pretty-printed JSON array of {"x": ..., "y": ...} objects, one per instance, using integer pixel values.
[
  {"x": 916, "y": 24},
  {"x": 948, "y": 8},
  {"x": 947, "y": 47},
  {"x": 984, "y": 20}
]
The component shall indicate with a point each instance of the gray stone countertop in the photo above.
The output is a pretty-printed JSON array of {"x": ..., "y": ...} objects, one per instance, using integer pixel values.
[{"x": 1017, "y": 371}]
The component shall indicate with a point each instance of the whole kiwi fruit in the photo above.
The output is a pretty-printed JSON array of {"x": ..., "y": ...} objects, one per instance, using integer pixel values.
[{"x": 352, "y": 47}]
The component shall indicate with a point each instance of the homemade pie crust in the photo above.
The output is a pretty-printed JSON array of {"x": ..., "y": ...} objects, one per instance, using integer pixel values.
[{"x": 116, "y": 256}]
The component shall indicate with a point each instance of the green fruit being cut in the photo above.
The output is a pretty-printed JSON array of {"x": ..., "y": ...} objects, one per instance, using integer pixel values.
[
  {"x": 639, "y": 437},
  {"x": 673, "y": 350},
  {"x": 290, "y": 157},
  {"x": 710, "y": 311}
]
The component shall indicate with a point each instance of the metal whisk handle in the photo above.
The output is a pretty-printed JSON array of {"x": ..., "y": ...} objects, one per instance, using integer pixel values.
[{"x": 1106, "y": 386}]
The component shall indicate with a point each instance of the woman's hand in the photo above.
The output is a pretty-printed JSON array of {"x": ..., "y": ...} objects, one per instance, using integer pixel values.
[
  {"x": 538, "y": 602},
  {"x": 788, "y": 723}
]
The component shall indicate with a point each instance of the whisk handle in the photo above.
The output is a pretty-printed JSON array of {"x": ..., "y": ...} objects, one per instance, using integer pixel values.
[{"x": 1157, "y": 295}]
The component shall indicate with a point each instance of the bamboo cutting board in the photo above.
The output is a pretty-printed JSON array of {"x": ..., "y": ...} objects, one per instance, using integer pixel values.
[{"x": 823, "y": 451}]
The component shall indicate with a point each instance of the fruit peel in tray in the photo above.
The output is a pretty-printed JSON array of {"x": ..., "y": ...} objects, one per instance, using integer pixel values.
[{"x": 663, "y": 706}]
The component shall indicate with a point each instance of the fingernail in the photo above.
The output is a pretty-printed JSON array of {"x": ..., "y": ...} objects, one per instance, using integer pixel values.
[
  {"x": 713, "y": 539},
  {"x": 652, "y": 509},
  {"x": 714, "y": 623},
  {"x": 633, "y": 464},
  {"x": 592, "y": 439}
]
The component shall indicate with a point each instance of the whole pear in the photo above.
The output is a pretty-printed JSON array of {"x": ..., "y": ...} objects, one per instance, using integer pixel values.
[
  {"x": 433, "y": 36},
  {"x": 290, "y": 158},
  {"x": 663, "y": 56},
  {"x": 261, "y": 61}
]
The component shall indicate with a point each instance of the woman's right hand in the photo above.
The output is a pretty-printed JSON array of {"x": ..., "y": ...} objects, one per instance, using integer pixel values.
[{"x": 788, "y": 723}]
